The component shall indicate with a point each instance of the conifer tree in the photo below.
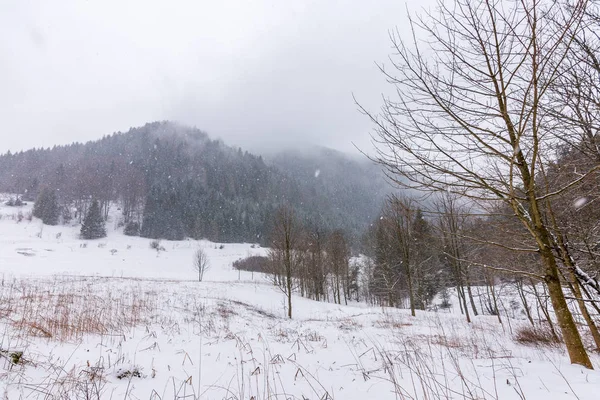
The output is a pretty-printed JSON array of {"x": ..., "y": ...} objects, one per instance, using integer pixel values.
[
  {"x": 46, "y": 207},
  {"x": 93, "y": 224}
]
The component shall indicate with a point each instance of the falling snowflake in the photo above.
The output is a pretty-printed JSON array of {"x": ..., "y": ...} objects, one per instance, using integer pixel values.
[
  {"x": 580, "y": 202},
  {"x": 317, "y": 173}
]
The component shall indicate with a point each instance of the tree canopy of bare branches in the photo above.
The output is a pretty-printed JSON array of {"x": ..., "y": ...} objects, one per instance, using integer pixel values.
[
  {"x": 201, "y": 263},
  {"x": 474, "y": 84}
]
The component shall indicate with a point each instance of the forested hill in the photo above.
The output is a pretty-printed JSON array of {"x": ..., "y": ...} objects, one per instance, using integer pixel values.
[
  {"x": 336, "y": 185},
  {"x": 174, "y": 181}
]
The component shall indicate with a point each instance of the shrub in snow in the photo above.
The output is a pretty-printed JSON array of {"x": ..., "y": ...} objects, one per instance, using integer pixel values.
[
  {"x": 536, "y": 336},
  {"x": 15, "y": 357},
  {"x": 66, "y": 215},
  {"x": 93, "y": 224},
  {"x": 128, "y": 373},
  {"x": 14, "y": 202},
  {"x": 445, "y": 304},
  {"x": 132, "y": 229},
  {"x": 155, "y": 244},
  {"x": 253, "y": 264}
]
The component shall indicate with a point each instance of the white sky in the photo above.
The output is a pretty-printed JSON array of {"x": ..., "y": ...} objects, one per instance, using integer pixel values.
[{"x": 255, "y": 73}]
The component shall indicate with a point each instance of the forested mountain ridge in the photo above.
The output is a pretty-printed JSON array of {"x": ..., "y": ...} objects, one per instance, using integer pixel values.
[
  {"x": 175, "y": 181},
  {"x": 336, "y": 185}
]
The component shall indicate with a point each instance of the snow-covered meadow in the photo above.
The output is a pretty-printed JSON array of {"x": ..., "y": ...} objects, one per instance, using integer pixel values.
[{"x": 115, "y": 319}]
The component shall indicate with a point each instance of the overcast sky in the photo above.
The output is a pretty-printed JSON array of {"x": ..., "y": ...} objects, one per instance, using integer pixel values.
[{"x": 253, "y": 73}]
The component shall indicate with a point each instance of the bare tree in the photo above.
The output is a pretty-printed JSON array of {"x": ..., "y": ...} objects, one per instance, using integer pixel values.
[
  {"x": 316, "y": 274},
  {"x": 284, "y": 255},
  {"x": 338, "y": 260},
  {"x": 201, "y": 263},
  {"x": 451, "y": 225},
  {"x": 469, "y": 118},
  {"x": 400, "y": 213}
]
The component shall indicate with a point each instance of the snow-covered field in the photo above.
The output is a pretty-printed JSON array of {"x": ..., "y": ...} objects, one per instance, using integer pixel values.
[{"x": 115, "y": 319}]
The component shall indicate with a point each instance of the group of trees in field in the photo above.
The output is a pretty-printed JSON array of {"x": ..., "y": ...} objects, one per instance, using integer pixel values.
[
  {"x": 411, "y": 253},
  {"x": 306, "y": 259},
  {"x": 48, "y": 209},
  {"x": 500, "y": 107},
  {"x": 405, "y": 264}
]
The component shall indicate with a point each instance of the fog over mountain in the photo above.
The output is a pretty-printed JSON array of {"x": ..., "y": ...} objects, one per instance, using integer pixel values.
[{"x": 174, "y": 181}]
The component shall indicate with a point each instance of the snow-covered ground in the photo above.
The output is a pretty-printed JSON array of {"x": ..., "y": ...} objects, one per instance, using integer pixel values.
[{"x": 135, "y": 324}]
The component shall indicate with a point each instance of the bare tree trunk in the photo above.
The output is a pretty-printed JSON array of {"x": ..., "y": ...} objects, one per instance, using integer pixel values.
[
  {"x": 470, "y": 293},
  {"x": 584, "y": 311},
  {"x": 285, "y": 242},
  {"x": 542, "y": 306},
  {"x": 591, "y": 301},
  {"x": 522, "y": 296},
  {"x": 573, "y": 282},
  {"x": 464, "y": 302},
  {"x": 411, "y": 293},
  {"x": 565, "y": 319},
  {"x": 574, "y": 285},
  {"x": 492, "y": 291}
]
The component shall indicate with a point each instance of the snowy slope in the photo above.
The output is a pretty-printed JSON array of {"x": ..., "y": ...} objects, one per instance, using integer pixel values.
[{"x": 135, "y": 324}]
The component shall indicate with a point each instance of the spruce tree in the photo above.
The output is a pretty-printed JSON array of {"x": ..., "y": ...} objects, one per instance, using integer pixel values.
[
  {"x": 46, "y": 207},
  {"x": 93, "y": 224}
]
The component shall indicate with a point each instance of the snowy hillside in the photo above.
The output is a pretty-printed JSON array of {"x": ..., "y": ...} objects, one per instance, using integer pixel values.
[{"x": 116, "y": 319}]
